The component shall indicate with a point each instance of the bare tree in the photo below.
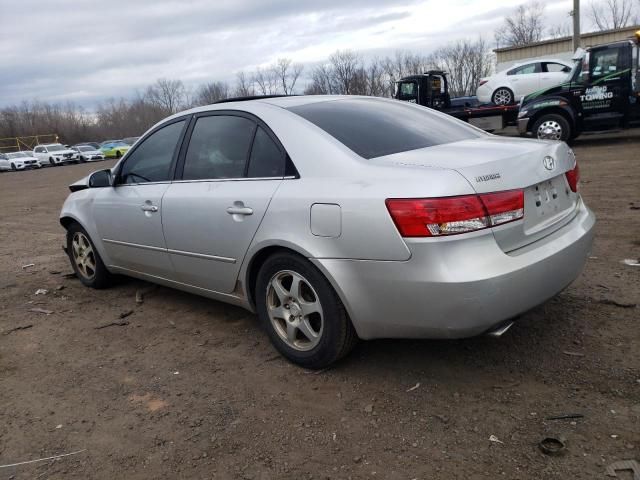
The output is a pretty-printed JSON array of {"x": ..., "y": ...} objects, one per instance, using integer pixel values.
[
  {"x": 287, "y": 73},
  {"x": 169, "y": 95},
  {"x": 466, "y": 62},
  {"x": 611, "y": 14},
  {"x": 525, "y": 25},
  {"x": 560, "y": 30},
  {"x": 345, "y": 65},
  {"x": 211, "y": 92},
  {"x": 322, "y": 81},
  {"x": 244, "y": 87}
]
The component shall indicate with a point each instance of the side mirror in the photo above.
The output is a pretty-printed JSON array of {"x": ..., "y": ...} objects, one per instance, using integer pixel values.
[{"x": 101, "y": 179}]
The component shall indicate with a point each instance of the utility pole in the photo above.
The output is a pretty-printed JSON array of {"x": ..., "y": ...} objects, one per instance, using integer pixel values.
[{"x": 576, "y": 24}]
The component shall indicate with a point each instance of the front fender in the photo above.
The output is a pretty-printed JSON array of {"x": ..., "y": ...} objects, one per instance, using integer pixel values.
[{"x": 534, "y": 109}]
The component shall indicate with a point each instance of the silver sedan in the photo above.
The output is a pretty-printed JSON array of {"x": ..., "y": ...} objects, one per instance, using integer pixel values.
[{"x": 337, "y": 218}]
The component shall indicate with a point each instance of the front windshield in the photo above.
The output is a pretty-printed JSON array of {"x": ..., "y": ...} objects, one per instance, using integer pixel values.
[
  {"x": 17, "y": 155},
  {"x": 55, "y": 148}
]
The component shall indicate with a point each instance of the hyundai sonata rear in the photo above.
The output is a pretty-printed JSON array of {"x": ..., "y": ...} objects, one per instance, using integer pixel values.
[{"x": 336, "y": 218}]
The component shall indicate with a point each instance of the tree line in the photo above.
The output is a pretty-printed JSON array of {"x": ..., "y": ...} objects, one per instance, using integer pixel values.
[{"x": 345, "y": 72}]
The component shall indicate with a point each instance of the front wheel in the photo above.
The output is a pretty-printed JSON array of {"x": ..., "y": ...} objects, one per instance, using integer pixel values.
[
  {"x": 51, "y": 162},
  {"x": 118, "y": 154},
  {"x": 85, "y": 259},
  {"x": 304, "y": 317},
  {"x": 552, "y": 127},
  {"x": 13, "y": 167}
]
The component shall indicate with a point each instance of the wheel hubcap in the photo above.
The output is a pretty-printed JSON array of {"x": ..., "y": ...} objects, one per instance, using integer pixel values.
[
  {"x": 502, "y": 97},
  {"x": 294, "y": 310},
  {"x": 83, "y": 255},
  {"x": 550, "y": 130}
]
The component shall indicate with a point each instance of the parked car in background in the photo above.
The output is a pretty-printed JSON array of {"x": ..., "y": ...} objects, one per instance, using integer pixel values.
[
  {"x": 337, "y": 217},
  {"x": 95, "y": 145},
  {"x": 55, "y": 154},
  {"x": 18, "y": 161},
  {"x": 509, "y": 86},
  {"x": 108, "y": 141},
  {"x": 115, "y": 149},
  {"x": 130, "y": 140},
  {"x": 88, "y": 153}
]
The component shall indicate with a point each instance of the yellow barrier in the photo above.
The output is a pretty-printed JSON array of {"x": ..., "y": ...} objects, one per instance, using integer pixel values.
[{"x": 16, "y": 144}]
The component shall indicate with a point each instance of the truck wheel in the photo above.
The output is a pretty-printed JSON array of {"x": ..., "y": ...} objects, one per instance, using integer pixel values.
[
  {"x": 502, "y": 96},
  {"x": 552, "y": 127}
]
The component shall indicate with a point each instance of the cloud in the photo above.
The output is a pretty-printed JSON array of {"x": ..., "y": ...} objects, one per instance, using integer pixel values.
[{"x": 87, "y": 51}]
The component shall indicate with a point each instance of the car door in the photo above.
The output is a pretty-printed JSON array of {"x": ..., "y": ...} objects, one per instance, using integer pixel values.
[
  {"x": 553, "y": 74},
  {"x": 4, "y": 162},
  {"x": 525, "y": 79},
  {"x": 41, "y": 154},
  {"x": 128, "y": 215},
  {"x": 608, "y": 88},
  {"x": 231, "y": 168}
]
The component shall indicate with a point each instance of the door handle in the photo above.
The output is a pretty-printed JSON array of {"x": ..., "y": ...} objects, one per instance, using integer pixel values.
[
  {"x": 148, "y": 208},
  {"x": 240, "y": 211}
]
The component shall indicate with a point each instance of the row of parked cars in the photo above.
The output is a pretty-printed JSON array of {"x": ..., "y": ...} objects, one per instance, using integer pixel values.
[{"x": 53, "y": 154}]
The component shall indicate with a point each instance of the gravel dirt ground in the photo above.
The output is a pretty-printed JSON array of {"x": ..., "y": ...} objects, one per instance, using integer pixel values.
[{"x": 191, "y": 388}]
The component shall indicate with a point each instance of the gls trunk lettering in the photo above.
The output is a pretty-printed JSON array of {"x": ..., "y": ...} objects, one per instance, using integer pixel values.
[{"x": 486, "y": 178}]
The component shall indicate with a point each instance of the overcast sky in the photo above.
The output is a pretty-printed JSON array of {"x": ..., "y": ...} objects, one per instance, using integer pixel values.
[{"x": 86, "y": 51}]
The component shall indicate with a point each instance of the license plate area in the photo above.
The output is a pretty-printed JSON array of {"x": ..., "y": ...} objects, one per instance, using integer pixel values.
[{"x": 546, "y": 203}]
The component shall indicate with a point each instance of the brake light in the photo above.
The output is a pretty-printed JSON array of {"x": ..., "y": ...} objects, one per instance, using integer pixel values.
[
  {"x": 434, "y": 217},
  {"x": 573, "y": 177},
  {"x": 482, "y": 82}
]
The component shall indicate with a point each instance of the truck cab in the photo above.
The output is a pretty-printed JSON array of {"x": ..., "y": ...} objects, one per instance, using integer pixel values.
[{"x": 602, "y": 92}]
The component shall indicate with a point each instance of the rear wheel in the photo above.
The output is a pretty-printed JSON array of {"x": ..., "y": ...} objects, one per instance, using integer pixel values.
[
  {"x": 301, "y": 312},
  {"x": 502, "y": 96},
  {"x": 118, "y": 154},
  {"x": 85, "y": 259},
  {"x": 552, "y": 127}
]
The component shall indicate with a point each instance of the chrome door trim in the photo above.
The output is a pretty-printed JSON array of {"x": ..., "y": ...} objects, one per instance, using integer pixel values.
[
  {"x": 168, "y": 250},
  {"x": 238, "y": 179},
  {"x": 134, "y": 245},
  {"x": 215, "y": 258}
]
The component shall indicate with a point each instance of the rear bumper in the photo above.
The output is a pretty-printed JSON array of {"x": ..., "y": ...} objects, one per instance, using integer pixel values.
[
  {"x": 458, "y": 287},
  {"x": 484, "y": 94}
]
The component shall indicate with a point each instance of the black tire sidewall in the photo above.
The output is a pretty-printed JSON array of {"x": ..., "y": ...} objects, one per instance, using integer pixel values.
[
  {"x": 102, "y": 278},
  {"x": 564, "y": 124},
  {"x": 334, "y": 317}
]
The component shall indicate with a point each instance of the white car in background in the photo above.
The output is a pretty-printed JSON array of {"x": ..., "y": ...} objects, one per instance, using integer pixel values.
[
  {"x": 509, "y": 86},
  {"x": 88, "y": 153},
  {"x": 55, "y": 154},
  {"x": 18, "y": 161}
]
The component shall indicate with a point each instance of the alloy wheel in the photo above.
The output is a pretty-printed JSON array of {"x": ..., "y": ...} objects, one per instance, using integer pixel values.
[
  {"x": 549, "y": 130},
  {"x": 295, "y": 311},
  {"x": 502, "y": 97},
  {"x": 83, "y": 255}
]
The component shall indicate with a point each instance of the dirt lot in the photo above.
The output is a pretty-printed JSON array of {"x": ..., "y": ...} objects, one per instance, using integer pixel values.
[{"x": 191, "y": 388}]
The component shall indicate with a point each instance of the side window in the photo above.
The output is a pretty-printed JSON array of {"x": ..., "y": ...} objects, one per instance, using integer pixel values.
[
  {"x": 151, "y": 161},
  {"x": 604, "y": 62},
  {"x": 525, "y": 69},
  {"x": 408, "y": 91},
  {"x": 218, "y": 148},
  {"x": 38, "y": 150},
  {"x": 267, "y": 160},
  {"x": 556, "y": 68}
]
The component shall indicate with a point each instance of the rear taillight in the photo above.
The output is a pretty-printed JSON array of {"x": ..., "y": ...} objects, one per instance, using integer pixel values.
[
  {"x": 573, "y": 177},
  {"x": 434, "y": 217},
  {"x": 482, "y": 82}
]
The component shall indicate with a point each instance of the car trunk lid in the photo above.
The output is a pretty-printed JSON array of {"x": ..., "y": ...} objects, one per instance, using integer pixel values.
[{"x": 495, "y": 164}]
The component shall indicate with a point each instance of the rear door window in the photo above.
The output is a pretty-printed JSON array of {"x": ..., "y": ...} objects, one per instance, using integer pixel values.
[
  {"x": 525, "y": 69},
  {"x": 267, "y": 160},
  {"x": 374, "y": 128}
]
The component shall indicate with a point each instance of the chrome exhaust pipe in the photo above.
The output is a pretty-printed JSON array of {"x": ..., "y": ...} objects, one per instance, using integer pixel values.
[{"x": 501, "y": 329}]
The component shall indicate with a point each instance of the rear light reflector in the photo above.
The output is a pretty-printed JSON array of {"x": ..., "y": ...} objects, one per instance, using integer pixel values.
[
  {"x": 434, "y": 217},
  {"x": 573, "y": 177}
]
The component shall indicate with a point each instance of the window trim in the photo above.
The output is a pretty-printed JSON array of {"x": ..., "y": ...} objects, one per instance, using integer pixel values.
[
  {"x": 257, "y": 122},
  {"x": 172, "y": 166}
]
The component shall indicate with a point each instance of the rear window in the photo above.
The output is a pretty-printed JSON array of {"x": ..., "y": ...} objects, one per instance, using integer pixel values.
[{"x": 374, "y": 128}]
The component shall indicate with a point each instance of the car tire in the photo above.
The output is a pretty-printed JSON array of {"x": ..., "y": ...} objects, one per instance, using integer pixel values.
[
  {"x": 552, "y": 127},
  {"x": 85, "y": 259},
  {"x": 13, "y": 167},
  {"x": 51, "y": 162},
  {"x": 118, "y": 154},
  {"x": 312, "y": 340},
  {"x": 502, "y": 96}
]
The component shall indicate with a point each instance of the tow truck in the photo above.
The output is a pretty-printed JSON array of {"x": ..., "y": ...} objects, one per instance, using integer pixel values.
[
  {"x": 602, "y": 92},
  {"x": 431, "y": 89}
]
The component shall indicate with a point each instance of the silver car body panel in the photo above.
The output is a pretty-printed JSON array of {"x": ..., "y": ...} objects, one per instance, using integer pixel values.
[{"x": 444, "y": 287}]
